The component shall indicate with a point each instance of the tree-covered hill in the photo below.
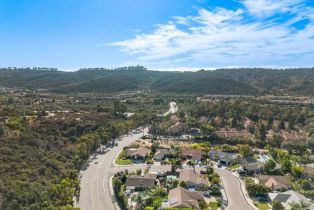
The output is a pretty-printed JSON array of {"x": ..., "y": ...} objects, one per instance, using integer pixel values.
[{"x": 222, "y": 81}]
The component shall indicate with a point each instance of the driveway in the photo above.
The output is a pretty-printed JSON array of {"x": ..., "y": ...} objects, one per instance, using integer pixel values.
[
  {"x": 94, "y": 184},
  {"x": 236, "y": 199},
  {"x": 95, "y": 194}
]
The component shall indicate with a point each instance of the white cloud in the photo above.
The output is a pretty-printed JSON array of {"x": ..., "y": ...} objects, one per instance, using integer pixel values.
[
  {"x": 266, "y": 8},
  {"x": 224, "y": 37}
]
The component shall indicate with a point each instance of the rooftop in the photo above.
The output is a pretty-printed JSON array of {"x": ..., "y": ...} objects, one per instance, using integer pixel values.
[{"x": 182, "y": 198}]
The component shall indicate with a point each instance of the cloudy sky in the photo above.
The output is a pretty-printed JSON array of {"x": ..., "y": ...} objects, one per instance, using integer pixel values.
[{"x": 159, "y": 34}]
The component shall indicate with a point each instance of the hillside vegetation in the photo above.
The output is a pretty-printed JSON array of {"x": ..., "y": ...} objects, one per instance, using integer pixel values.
[{"x": 222, "y": 81}]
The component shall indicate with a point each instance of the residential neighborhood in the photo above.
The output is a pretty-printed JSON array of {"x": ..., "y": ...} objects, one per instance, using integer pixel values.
[{"x": 187, "y": 178}]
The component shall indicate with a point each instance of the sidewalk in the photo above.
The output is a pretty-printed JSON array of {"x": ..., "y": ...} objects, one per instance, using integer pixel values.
[
  {"x": 113, "y": 198},
  {"x": 243, "y": 191}
]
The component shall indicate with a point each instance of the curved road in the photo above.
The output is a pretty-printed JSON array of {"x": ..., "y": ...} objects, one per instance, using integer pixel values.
[
  {"x": 173, "y": 108},
  {"x": 95, "y": 194},
  {"x": 236, "y": 199},
  {"x": 94, "y": 184}
]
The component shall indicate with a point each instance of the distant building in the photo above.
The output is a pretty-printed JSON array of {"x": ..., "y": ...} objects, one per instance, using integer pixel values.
[
  {"x": 193, "y": 154},
  {"x": 138, "y": 183},
  {"x": 285, "y": 198},
  {"x": 276, "y": 183},
  {"x": 232, "y": 134},
  {"x": 177, "y": 128},
  {"x": 309, "y": 169},
  {"x": 224, "y": 158},
  {"x": 203, "y": 120},
  {"x": 252, "y": 166},
  {"x": 183, "y": 198},
  {"x": 137, "y": 153},
  {"x": 193, "y": 179},
  {"x": 163, "y": 153},
  {"x": 160, "y": 170},
  {"x": 292, "y": 136}
]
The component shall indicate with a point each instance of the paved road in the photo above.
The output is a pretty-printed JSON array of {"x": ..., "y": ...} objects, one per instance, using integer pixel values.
[
  {"x": 95, "y": 193},
  {"x": 172, "y": 109},
  {"x": 236, "y": 199}
]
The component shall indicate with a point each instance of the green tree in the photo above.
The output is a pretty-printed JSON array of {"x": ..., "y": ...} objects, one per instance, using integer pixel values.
[
  {"x": 270, "y": 122},
  {"x": 310, "y": 144},
  {"x": 119, "y": 108},
  {"x": 286, "y": 165},
  {"x": 62, "y": 193},
  {"x": 234, "y": 122},
  {"x": 182, "y": 184},
  {"x": 215, "y": 180},
  {"x": 2, "y": 129},
  {"x": 291, "y": 124},
  {"x": 207, "y": 130},
  {"x": 261, "y": 134},
  {"x": 244, "y": 150},
  {"x": 282, "y": 125},
  {"x": 275, "y": 141},
  {"x": 295, "y": 206},
  {"x": 277, "y": 205},
  {"x": 269, "y": 166},
  {"x": 306, "y": 185},
  {"x": 297, "y": 171},
  {"x": 301, "y": 119}
]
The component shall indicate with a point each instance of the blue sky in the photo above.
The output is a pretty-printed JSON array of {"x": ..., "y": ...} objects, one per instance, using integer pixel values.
[{"x": 159, "y": 34}]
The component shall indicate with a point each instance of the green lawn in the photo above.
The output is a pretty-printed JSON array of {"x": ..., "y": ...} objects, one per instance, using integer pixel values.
[
  {"x": 234, "y": 167},
  {"x": 123, "y": 162},
  {"x": 121, "y": 159},
  {"x": 213, "y": 205},
  {"x": 262, "y": 206}
]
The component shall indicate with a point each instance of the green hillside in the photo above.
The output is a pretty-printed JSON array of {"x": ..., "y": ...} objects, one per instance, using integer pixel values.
[{"x": 222, "y": 81}]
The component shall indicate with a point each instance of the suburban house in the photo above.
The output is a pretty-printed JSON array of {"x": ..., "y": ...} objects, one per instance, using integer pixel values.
[
  {"x": 193, "y": 179},
  {"x": 288, "y": 197},
  {"x": 182, "y": 198},
  {"x": 160, "y": 170},
  {"x": 309, "y": 169},
  {"x": 138, "y": 183},
  {"x": 203, "y": 120},
  {"x": 163, "y": 153},
  {"x": 252, "y": 166},
  {"x": 139, "y": 153},
  {"x": 224, "y": 158},
  {"x": 288, "y": 136},
  {"x": 247, "y": 123},
  {"x": 193, "y": 154},
  {"x": 232, "y": 134},
  {"x": 177, "y": 129},
  {"x": 276, "y": 183}
]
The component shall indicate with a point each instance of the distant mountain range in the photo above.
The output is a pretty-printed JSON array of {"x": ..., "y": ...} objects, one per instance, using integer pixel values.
[{"x": 222, "y": 81}]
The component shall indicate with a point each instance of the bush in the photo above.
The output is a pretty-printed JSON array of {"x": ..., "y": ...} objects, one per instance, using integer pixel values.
[
  {"x": 255, "y": 189},
  {"x": 150, "y": 162}
]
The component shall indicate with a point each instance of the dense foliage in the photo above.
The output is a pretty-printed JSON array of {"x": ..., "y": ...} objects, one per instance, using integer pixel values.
[
  {"x": 223, "y": 81},
  {"x": 41, "y": 154}
]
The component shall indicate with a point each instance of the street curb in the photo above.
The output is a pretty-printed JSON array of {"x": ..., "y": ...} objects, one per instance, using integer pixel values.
[
  {"x": 114, "y": 159},
  {"x": 225, "y": 192},
  {"x": 113, "y": 197},
  {"x": 243, "y": 191}
]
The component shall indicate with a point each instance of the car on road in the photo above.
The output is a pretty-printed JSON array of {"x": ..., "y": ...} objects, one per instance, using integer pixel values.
[{"x": 206, "y": 193}]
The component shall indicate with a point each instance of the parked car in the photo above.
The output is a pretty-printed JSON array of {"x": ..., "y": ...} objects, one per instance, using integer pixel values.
[{"x": 206, "y": 193}]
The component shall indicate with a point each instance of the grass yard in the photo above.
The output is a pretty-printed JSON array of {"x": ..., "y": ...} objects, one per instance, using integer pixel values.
[
  {"x": 213, "y": 205},
  {"x": 262, "y": 206},
  {"x": 234, "y": 167},
  {"x": 123, "y": 162},
  {"x": 121, "y": 159}
]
